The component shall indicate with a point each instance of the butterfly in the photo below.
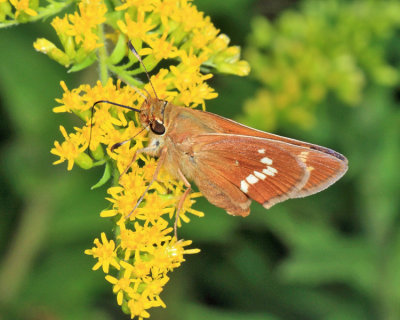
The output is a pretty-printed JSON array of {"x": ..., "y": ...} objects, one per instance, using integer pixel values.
[{"x": 230, "y": 163}]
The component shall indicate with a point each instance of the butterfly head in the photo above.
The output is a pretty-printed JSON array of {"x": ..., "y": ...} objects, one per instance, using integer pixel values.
[{"x": 152, "y": 115}]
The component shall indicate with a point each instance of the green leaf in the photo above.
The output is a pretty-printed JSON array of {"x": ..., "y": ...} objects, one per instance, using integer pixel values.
[
  {"x": 119, "y": 51},
  {"x": 84, "y": 64},
  {"x": 106, "y": 176}
]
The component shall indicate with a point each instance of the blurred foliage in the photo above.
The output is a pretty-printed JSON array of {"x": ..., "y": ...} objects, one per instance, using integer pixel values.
[
  {"x": 335, "y": 255},
  {"x": 327, "y": 49}
]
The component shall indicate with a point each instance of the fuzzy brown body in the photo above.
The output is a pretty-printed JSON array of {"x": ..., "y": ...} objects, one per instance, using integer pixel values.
[{"x": 231, "y": 163}]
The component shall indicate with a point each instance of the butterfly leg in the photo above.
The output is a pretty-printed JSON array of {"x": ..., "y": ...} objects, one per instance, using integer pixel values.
[
  {"x": 139, "y": 151},
  {"x": 160, "y": 163},
  {"x": 143, "y": 150},
  {"x": 181, "y": 201},
  {"x": 148, "y": 150}
]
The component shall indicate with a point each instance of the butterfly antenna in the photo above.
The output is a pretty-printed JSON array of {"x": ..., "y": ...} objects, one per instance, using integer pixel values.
[
  {"x": 137, "y": 90},
  {"x": 118, "y": 144},
  {"x": 109, "y": 102},
  {"x": 133, "y": 50}
]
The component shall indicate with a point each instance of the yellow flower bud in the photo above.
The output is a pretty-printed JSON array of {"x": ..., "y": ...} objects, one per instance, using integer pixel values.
[
  {"x": 98, "y": 153},
  {"x": 84, "y": 161},
  {"x": 47, "y": 47},
  {"x": 240, "y": 68},
  {"x": 220, "y": 43}
]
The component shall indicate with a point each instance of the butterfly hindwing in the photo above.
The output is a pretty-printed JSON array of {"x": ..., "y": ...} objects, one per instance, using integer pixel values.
[{"x": 259, "y": 168}]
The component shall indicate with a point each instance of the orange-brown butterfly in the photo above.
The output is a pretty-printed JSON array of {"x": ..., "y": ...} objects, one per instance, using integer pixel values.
[{"x": 230, "y": 163}]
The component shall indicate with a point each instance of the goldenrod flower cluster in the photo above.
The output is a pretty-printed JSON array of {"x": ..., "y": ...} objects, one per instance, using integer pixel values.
[
  {"x": 143, "y": 249},
  {"x": 17, "y": 9},
  {"x": 14, "y": 12}
]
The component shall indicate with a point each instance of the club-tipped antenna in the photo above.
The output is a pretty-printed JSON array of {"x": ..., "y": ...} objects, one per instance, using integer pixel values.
[
  {"x": 133, "y": 50},
  {"x": 109, "y": 102},
  {"x": 118, "y": 144}
]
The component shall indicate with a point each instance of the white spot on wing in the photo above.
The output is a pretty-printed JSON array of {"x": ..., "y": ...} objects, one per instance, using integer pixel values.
[
  {"x": 270, "y": 171},
  {"x": 244, "y": 186},
  {"x": 252, "y": 179},
  {"x": 303, "y": 156},
  {"x": 260, "y": 175},
  {"x": 266, "y": 160},
  {"x": 262, "y": 151}
]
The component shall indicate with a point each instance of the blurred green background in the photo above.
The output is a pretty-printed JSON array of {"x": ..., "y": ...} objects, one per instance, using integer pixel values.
[{"x": 322, "y": 71}]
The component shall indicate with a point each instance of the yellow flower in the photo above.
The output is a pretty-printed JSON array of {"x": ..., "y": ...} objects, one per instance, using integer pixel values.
[
  {"x": 137, "y": 306},
  {"x": 123, "y": 284},
  {"x": 156, "y": 207},
  {"x": 70, "y": 150},
  {"x": 187, "y": 207},
  {"x": 153, "y": 289},
  {"x": 176, "y": 249},
  {"x": 190, "y": 17},
  {"x": 143, "y": 238},
  {"x": 142, "y": 267},
  {"x": 163, "y": 85},
  {"x": 83, "y": 25},
  {"x": 202, "y": 37},
  {"x": 105, "y": 253},
  {"x": 22, "y": 6},
  {"x": 162, "y": 48},
  {"x": 70, "y": 100},
  {"x": 145, "y": 5},
  {"x": 136, "y": 29},
  {"x": 195, "y": 94}
]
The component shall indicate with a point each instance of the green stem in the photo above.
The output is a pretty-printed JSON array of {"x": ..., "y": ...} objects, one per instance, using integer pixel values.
[
  {"x": 99, "y": 163},
  {"x": 125, "y": 77},
  {"x": 25, "y": 246},
  {"x": 102, "y": 54}
]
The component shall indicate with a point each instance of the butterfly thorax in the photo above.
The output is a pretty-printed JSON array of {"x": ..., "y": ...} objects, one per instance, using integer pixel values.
[{"x": 172, "y": 127}]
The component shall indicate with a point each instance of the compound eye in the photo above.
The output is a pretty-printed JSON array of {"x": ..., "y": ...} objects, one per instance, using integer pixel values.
[{"x": 157, "y": 127}]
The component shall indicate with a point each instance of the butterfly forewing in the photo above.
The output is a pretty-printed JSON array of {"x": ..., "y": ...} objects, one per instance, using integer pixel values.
[
  {"x": 231, "y": 163},
  {"x": 259, "y": 168},
  {"x": 325, "y": 166},
  {"x": 324, "y": 170}
]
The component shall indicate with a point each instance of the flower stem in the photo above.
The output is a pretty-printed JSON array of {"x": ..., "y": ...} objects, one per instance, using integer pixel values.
[
  {"x": 102, "y": 54},
  {"x": 25, "y": 246}
]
